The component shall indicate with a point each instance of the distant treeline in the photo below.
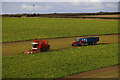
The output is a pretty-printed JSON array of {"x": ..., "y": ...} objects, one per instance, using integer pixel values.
[{"x": 61, "y": 15}]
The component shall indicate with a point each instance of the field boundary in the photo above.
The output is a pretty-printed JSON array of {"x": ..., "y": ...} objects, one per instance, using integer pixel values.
[{"x": 62, "y": 37}]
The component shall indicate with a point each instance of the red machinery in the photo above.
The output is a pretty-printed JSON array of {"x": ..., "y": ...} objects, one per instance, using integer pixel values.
[{"x": 39, "y": 46}]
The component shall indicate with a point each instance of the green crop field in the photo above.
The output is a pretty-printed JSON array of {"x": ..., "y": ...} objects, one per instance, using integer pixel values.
[
  {"x": 20, "y": 29},
  {"x": 60, "y": 63},
  {"x": 56, "y": 64}
]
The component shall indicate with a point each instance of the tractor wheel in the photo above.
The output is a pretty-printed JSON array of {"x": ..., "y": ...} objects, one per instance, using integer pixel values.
[
  {"x": 41, "y": 50},
  {"x": 48, "y": 49},
  {"x": 72, "y": 44},
  {"x": 82, "y": 44},
  {"x": 37, "y": 50},
  {"x": 88, "y": 43}
]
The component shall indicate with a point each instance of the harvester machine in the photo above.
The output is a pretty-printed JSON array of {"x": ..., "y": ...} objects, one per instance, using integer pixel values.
[{"x": 38, "y": 46}]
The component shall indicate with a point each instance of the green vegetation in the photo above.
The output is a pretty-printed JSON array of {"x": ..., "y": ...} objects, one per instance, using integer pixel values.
[
  {"x": 56, "y": 64},
  {"x": 20, "y": 29}
]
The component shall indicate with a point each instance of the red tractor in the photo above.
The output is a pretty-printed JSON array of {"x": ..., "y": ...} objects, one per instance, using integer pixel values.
[{"x": 39, "y": 46}]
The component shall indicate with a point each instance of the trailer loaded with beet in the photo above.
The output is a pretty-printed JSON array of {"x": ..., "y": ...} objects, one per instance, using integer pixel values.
[{"x": 83, "y": 41}]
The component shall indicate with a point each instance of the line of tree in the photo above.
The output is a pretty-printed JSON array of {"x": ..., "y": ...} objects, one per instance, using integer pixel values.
[{"x": 59, "y": 15}]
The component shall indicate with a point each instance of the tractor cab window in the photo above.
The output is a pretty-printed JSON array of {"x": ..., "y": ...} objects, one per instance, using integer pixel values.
[
  {"x": 78, "y": 39},
  {"x": 34, "y": 45}
]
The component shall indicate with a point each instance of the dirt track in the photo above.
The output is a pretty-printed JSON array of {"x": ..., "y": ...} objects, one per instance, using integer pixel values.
[
  {"x": 89, "y": 73},
  {"x": 13, "y": 48},
  {"x": 81, "y": 75}
]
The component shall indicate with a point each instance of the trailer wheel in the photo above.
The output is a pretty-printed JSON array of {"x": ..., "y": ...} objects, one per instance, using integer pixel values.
[
  {"x": 88, "y": 43},
  {"x": 94, "y": 43}
]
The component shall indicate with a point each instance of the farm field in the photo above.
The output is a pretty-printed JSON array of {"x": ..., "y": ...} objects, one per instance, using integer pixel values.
[
  {"x": 14, "y": 48},
  {"x": 102, "y": 16},
  {"x": 106, "y": 72},
  {"x": 63, "y": 59},
  {"x": 20, "y": 29},
  {"x": 57, "y": 64}
]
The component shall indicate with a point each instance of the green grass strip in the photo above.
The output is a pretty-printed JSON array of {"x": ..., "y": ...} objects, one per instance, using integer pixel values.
[
  {"x": 56, "y": 64},
  {"x": 20, "y": 29}
]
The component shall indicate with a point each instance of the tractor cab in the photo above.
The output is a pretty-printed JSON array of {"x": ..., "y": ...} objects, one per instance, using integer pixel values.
[
  {"x": 78, "y": 42},
  {"x": 35, "y": 45},
  {"x": 78, "y": 39},
  {"x": 38, "y": 46}
]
